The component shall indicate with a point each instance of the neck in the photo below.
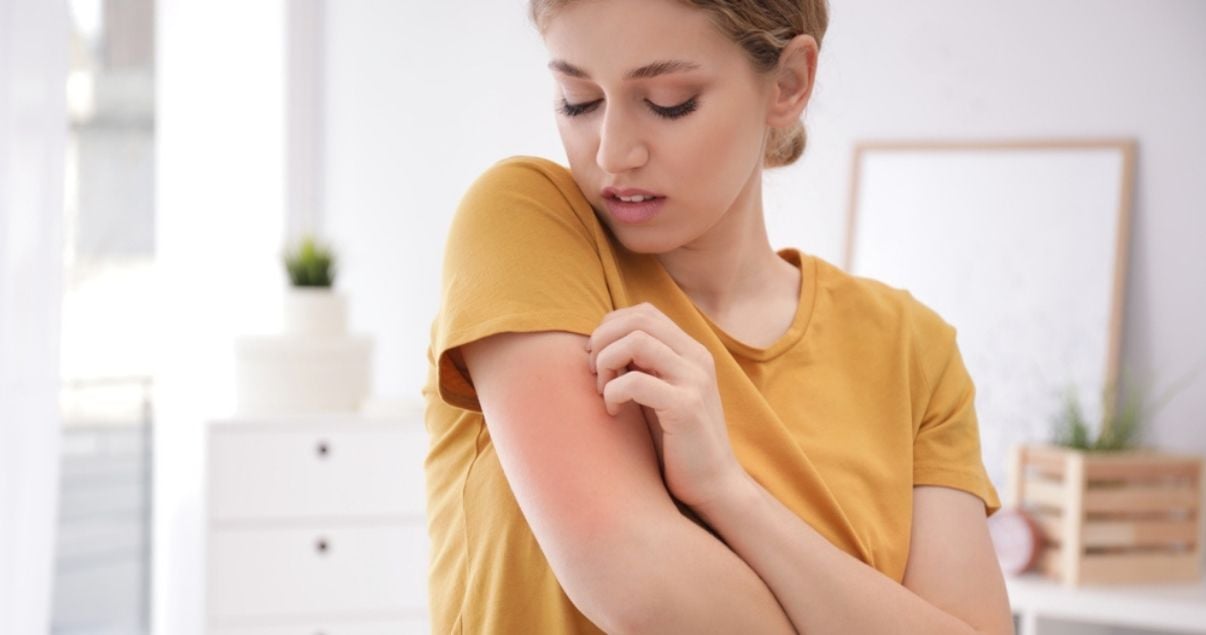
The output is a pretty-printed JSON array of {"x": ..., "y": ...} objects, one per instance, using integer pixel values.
[{"x": 732, "y": 263}]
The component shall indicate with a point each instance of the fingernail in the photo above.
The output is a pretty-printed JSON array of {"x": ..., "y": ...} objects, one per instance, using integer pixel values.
[{"x": 588, "y": 346}]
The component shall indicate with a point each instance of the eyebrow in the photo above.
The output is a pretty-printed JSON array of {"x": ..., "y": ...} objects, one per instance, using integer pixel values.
[{"x": 660, "y": 67}]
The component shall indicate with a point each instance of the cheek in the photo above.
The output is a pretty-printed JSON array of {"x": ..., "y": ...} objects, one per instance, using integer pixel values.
[
  {"x": 738, "y": 133},
  {"x": 577, "y": 143},
  {"x": 719, "y": 153},
  {"x": 580, "y": 143},
  {"x": 722, "y": 133}
]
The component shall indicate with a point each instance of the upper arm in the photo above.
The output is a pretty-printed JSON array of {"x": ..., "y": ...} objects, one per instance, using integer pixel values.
[
  {"x": 952, "y": 564},
  {"x": 585, "y": 481}
]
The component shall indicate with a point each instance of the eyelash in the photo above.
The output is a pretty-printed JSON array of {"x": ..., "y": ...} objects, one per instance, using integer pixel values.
[{"x": 671, "y": 112}]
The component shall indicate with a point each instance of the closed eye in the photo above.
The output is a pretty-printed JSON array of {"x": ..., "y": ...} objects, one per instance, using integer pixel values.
[{"x": 666, "y": 112}]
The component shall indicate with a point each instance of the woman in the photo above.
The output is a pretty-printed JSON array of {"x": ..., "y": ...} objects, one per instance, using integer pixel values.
[{"x": 645, "y": 419}]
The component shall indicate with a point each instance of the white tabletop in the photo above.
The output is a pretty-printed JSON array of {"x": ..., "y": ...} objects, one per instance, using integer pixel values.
[{"x": 1178, "y": 607}]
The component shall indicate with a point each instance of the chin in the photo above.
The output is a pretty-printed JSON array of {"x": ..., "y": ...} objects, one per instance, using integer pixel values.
[
  {"x": 640, "y": 240},
  {"x": 644, "y": 241}
]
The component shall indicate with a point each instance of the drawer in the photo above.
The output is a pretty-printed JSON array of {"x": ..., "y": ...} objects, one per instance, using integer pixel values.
[
  {"x": 284, "y": 472},
  {"x": 413, "y": 626},
  {"x": 317, "y": 571}
]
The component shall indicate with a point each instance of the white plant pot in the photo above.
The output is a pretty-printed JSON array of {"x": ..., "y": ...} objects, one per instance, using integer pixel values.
[
  {"x": 320, "y": 311},
  {"x": 314, "y": 366},
  {"x": 285, "y": 375}
]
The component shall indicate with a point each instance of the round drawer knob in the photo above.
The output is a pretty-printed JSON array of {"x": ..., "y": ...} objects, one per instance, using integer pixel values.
[
  {"x": 323, "y": 449},
  {"x": 321, "y": 545}
]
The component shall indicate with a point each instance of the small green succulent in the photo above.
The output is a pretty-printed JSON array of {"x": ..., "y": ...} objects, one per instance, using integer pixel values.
[
  {"x": 1121, "y": 427},
  {"x": 310, "y": 264}
]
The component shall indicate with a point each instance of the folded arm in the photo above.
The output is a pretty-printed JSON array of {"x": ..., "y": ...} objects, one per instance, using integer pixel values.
[{"x": 952, "y": 583}]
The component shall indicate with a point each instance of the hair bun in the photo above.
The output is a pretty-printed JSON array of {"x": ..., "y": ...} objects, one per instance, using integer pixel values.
[{"x": 785, "y": 145}]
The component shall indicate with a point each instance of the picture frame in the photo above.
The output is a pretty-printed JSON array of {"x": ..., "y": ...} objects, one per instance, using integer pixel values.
[{"x": 1022, "y": 246}]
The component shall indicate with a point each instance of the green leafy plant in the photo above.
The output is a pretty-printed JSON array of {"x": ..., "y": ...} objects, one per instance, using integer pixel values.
[
  {"x": 1122, "y": 424},
  {"x": 1069, "y": 428},
  {"x": 310, "y": 264}
]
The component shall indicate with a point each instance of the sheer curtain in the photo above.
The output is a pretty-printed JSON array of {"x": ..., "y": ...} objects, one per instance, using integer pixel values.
[{"x": 33, "y": 72}]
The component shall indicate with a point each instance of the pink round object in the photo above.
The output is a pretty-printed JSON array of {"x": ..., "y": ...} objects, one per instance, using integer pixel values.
[{"x": 1017, "y": 539}]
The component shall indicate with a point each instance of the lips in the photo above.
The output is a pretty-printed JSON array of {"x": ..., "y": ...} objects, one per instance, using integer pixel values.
[
  {"x": 633, "y": 213},
  {"x": 616, "y": 192}
]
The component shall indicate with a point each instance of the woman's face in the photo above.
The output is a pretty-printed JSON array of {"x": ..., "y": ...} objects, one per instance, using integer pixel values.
[{"x": 693, "y": 135}]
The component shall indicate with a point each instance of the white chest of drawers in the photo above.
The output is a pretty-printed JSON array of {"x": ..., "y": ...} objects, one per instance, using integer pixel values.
[{"x": 315, "y": 526}]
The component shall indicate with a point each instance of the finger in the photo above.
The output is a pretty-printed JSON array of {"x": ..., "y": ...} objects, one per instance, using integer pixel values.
[
  {"x": 644, "y": 316},
  {"x": 648, "y": 318},
  {"x": 639, "y": 387},
  {"x": 648, "y": 353}
]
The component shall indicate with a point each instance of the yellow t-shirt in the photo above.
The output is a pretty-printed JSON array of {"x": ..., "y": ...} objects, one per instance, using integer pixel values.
[{"x": 865, "y": 396}]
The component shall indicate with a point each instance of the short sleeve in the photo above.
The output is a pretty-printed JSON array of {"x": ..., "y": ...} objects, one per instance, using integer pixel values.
[
  {"x": 519, "y": 257},
  {"x": 946, "y": 447}
]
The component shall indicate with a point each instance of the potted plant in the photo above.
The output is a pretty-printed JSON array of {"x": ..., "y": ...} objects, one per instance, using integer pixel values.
[
  {"x": 1108, "y": 509},
  {"x": 311, "y": 304},
  {"x": 315, "y": 366},
  {"x": 1121, "y": 427}
]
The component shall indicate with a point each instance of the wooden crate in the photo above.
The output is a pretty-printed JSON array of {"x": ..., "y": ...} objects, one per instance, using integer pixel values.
[{"x": 1111, "y": 517}]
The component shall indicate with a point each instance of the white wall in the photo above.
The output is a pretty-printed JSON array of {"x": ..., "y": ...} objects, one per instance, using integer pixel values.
[
  {"x": 33, "y": 65},
  {"x": 422, "y": 97},
  {"x": 220, "y": 190}
]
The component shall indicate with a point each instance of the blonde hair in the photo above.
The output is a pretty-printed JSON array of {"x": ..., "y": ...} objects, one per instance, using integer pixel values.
[{"x": 762, "y": 28}]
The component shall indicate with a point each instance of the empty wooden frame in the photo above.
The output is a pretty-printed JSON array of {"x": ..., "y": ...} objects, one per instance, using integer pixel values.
[{"x": 1022, "y": 246}]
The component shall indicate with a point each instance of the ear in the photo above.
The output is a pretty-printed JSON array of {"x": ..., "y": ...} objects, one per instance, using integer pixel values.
[{"x": 793, "y": 81}]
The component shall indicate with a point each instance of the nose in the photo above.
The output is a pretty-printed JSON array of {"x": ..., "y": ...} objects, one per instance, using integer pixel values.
[{"x": 620, "y": 144}]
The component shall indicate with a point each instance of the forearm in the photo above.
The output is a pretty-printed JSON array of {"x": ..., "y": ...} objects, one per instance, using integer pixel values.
[
  {"x": 690, "y": 582},
  {"x": 822, "y": 588}
]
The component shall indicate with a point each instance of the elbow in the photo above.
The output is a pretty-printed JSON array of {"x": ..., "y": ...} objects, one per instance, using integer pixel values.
[
  {"x": 639, "y": 619},
  {"x": 614, "y": 582},
  {"x": 616, "y": 599},
  {"x": 622, "y": 621},
  {"x": 625, "y": 616}
]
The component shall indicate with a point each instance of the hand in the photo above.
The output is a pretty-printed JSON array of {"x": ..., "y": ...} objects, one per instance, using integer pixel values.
[{"x": 640, "y": 355}]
